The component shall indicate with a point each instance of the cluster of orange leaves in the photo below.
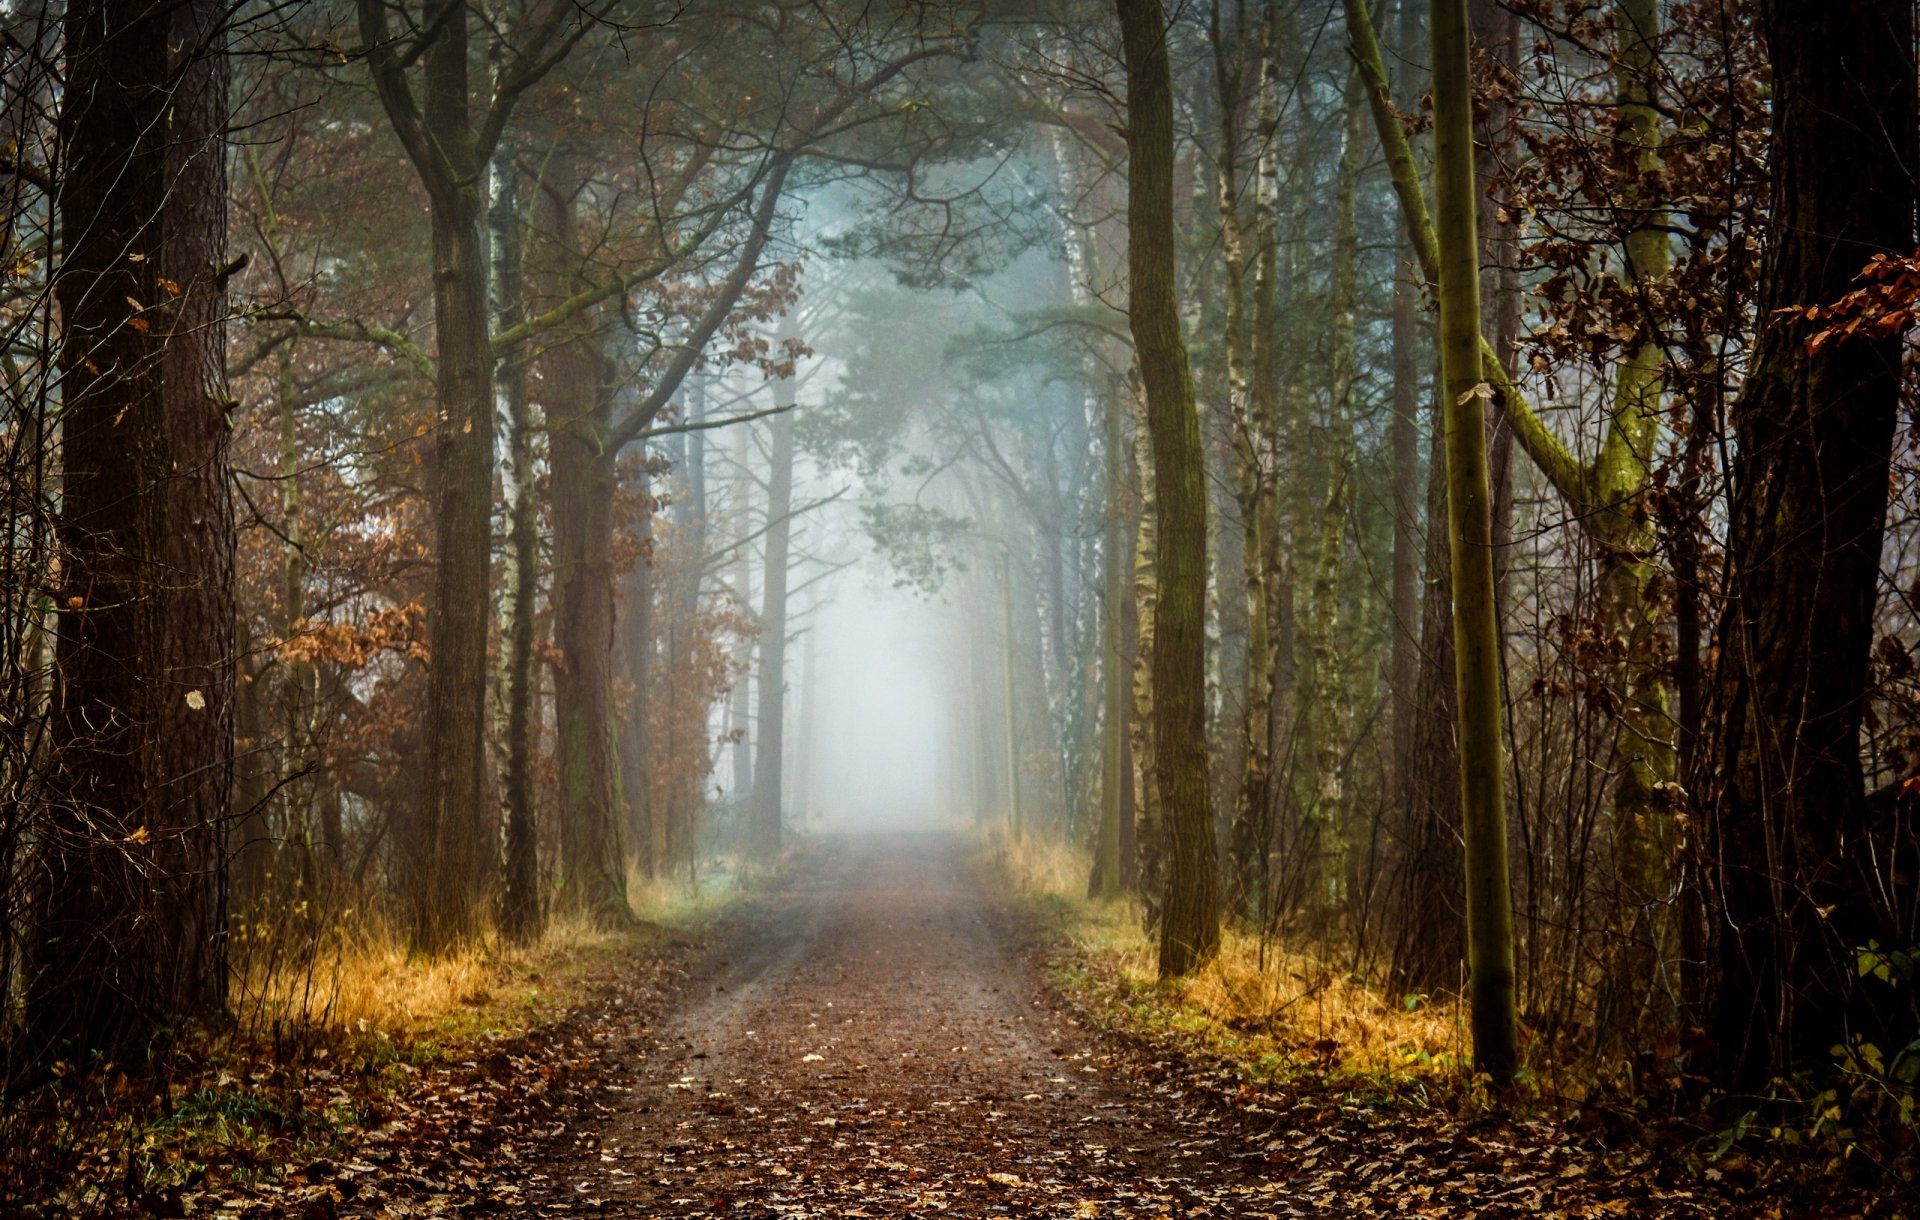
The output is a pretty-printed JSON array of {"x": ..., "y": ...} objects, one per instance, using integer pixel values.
[
  {"x": 1886, "y": 304},
  {"x": 399, "y": 629}
]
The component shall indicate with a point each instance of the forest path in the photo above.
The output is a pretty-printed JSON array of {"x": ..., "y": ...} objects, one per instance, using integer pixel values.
[{"x": 869, "y": 1041}]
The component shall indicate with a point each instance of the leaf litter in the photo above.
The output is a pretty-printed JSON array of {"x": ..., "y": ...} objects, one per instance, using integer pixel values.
[{"x": 876, "y": 1039}]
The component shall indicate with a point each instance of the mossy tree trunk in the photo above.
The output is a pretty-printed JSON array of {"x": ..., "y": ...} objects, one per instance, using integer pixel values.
[
  {"x": 1190, "y": 915},
  {"x": 1470, "y": 536}
]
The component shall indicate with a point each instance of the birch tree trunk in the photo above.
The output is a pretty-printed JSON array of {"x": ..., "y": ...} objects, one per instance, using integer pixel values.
[
  {"x": 521, "y": 914},
  {"x": 1321, "y": 721},
  {"x": 1403, "y": 432}
]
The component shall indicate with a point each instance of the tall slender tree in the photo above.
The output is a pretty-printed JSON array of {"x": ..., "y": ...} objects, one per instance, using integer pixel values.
[
  {"x": 521, "y": 915},
  {"x": 770, "y": 728},
  {"x": 578, "y": 376},
  {"x": 1476, "y": 631},
  {"x": 1190, "y": 913},
  {"x": 445, "y": 851}
]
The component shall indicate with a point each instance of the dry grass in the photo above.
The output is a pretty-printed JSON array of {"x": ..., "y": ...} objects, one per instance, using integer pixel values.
[
  {"x": 1038, "y": 865},
  {"x": 354, "y": 975},
  {"x": 677, "y": 902},
  {"x": 357, "y": 977},
  {"x": 1307, "y": 1005},
  {"x": 1267, "y": 1004}
]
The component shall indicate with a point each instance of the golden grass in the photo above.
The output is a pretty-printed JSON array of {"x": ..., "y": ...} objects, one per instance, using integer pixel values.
[
  {"x": 1038, "y": 865},
  {"x": 356, "y": 976},
  {"x": 1273, "y": 1005},
  {"x": 353, "y": 974}
]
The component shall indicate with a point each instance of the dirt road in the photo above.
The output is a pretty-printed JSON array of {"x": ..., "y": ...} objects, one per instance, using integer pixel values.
[{"x": 868, "y": 1042}]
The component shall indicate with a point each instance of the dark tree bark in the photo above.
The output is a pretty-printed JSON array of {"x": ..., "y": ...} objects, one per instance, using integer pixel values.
[
  {"x": 446, "y": 851},
  {"x": 131, "y": 931},
  {"x": 1430, "y": 939},
  {"x": 1190, "y": 916},
  {"x": 1791, "y": 840},
  {"x": 197, "y": 772},
  {"x": 582, "y": 481},
  {"x": 576, "y": 384}
]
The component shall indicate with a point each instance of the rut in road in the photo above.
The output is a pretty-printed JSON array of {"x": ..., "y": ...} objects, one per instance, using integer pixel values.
[{"x": 870, "y": 1042}]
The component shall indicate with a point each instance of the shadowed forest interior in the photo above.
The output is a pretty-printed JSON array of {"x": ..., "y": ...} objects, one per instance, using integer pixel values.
[{"x": 1361, "y": 549}]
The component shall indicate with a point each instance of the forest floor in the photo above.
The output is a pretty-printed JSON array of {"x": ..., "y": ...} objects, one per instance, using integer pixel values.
[
  {"x": 877, "y": 1030},
  {"x": 881, "y": 1037},
  {"x": 872, "y": 1041}
]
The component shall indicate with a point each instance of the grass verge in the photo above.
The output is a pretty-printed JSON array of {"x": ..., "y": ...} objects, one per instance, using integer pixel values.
[
  {"x": 1281, "y": 1015},
  {"x": 352, "y": 1066},
  {"x": 1336, "y": 1080}
]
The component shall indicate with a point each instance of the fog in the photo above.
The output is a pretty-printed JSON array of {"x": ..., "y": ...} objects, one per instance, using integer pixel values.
[{"x": 871, "y": 736}]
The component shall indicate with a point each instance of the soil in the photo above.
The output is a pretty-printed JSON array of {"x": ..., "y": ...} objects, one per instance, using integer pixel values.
[{"x": 871, "y": 1040}]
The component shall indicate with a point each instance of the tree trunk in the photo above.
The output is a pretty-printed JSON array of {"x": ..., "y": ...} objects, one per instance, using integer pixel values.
[
  {"x": 1430, "y": 937},
  {"x": 1469, "y": 529},
  {"x": 1148, "y": 859},
  {"x": 446, "y": 852},
  {"x": 131, "y": 931},
  {"x": 740, "y": 714},
  {"x": 1496, "y": 36},
  {"x": 1320, "y": 723},
  {"x": 1641, "y": 753},
  {"x": 636, "y": 626},
  {"x": 197, "y": 771},
  {"x": 577, "y": 386},
  {"x": 582, "y": 485},
  {"x": 1237, "y": 489},
  {"x": 1115, "y": 680},
  {"x": 1792, "y": 847},
  {"x": 521, "y": 914},
  {"x": 1190, "y": 918},
  {"x": 1009, "y": 701},
  {"x": 1403, "y": 432},
  {"x": 683, "y": 815},
  {"x": 806, "y": 743},
  {"x": 296, "y": 680},
  {"x": 767, "y": 771}
]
